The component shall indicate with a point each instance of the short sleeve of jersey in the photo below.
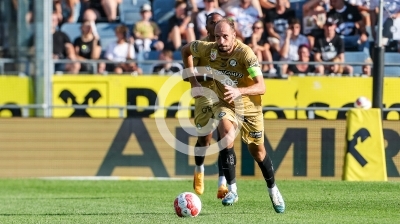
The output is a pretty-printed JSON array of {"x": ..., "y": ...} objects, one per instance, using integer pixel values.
[
  {"x": 251, "y": 63},
  {"x": 198, "y": 48}
]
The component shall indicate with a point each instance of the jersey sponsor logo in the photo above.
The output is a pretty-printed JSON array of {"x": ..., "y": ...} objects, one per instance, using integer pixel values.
[
  {"x": 221, "y": 114},
  {"x": 228, "y": 82},
  {"x": 255, "y": 134},
  {"x": 195, "y": 44},
  {"x": 229, "y": 73},
  {"x": 213, "y": 54},
  {"x": 233, "y": 62}
]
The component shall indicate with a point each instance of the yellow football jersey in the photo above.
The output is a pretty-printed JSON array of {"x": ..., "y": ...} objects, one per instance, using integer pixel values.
[
  {"x": 201, "y": 64},
  {"x": 237, "y": 69}
]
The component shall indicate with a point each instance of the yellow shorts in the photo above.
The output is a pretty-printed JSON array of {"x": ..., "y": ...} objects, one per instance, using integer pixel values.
[
  {"x": 251, "y": 127},
  {"x": 203, "y": 114}
]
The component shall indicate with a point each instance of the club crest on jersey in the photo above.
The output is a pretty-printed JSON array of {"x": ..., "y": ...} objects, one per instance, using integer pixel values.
[
  {"x": 233, "y": 62},
  {"x": 213, "y": 54}
]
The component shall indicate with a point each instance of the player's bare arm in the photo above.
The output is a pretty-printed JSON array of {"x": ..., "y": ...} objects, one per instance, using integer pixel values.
[
  {"x": 258, "y": 88},
  {"x": 188, "y": 63}
]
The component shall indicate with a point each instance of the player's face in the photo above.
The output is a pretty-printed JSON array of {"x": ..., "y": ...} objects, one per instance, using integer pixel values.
[
  {"x": 225, "y": 37},
  {"x": 210, "y": 26}
]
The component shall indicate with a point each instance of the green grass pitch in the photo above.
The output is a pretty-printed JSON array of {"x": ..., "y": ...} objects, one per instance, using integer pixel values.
[{"x": 65, "y": 201}]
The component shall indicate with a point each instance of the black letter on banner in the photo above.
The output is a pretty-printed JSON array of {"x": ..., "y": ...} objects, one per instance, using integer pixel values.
[
  {"x": 327, "y": 152},
  {"x": 172, "y": 112},
  {"x": 351, "y": 145},
  {"x": 342, "y": 114},
  {"x": 295, "y": 136},
  {"x": 150, "y": 157},
  {"x": 316, "y": 104},
  {"x": 395, "y": 106},
  {"x": 131, "y": 99},
  {"x": 15, "y": 112},
  {"x": 392, "y": 149},
  {"x": 279, "y": 113},
  {"x": 182, "y": 166},
  {"x": 94, "y": 94}
]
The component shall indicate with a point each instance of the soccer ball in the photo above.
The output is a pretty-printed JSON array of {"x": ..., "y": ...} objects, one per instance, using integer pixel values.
[
  {"x": 187, "y": 204},
  {"x": 363, "y": 103}
]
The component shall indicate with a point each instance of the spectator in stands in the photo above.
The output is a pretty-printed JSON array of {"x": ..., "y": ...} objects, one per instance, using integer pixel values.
[
  {"x": 350, "y": 27},
  {"x": 227, "y": 5},
  {"x": 209, "y": 7},
  {"x": 87, "y": 46},
  {"x": 89, "y": 15},
  {"x": 63, "y": 49},
  {"x": 336, "y": 68},
  {"x": 258, "y": 42},
  {"x": 181, "y": 29},
  {"x": 269, "y": 4},
  {"x": 68, "y": 10},
  {"x": 293, "y": 40},
  {"x": 167, "y": 67},
  {"x": 364, "y": 8},
  {"x": 146, "y": 32},
  {"x": 329, "y": 46},
  {"x": 301, "y": 68},
  {"x": 314, "y": 17},
  {"x": 366, "y": 68},
  {"x": 244, "y": 15},
  {"x": 277, "y": 22},
  {"x": 121, "y": 51},
  {"x": 391, "y": 12},
  {"x": 105, "y": 10}
]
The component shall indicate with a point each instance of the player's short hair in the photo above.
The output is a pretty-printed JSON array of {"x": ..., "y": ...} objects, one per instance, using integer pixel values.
[
  {"x": 230, "y": 22},
  {"x": 179, "y": 2},
  {"x": 167, "y": 53},
  {"x": 209, "y": 16}
]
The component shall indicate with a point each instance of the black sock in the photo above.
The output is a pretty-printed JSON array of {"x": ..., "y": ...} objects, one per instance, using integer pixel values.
[
  {"x": 199, "y": 154},
  {"x": 228, "y": 159},
  {"x": 220, "y": 170},
  {"x": 268, "y": 171}
]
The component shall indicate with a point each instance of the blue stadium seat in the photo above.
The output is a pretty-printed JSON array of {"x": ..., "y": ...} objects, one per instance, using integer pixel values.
[
  {"x": 107, "y": 33},
  {"x": 390, "y": 58},
  {"x": 162, "y": 8},
  {"x": 177, "y": 55},
  {"x": 151, "y": 55},
  {"x": 129, "y": 10},
  {"x": 355, "y": 57},
  {"x": 73, "y": 30}
]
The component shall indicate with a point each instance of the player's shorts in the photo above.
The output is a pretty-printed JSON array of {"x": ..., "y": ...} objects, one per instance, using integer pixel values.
[
  {"x": 252, "y": 127},
  {"x": 203, "y": 114}
]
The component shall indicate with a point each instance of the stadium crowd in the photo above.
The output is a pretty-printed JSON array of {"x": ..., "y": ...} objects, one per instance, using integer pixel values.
[{"x": 321, "y": 31}]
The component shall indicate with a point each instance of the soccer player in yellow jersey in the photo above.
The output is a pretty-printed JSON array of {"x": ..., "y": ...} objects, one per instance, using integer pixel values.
[
  {"x": 203, "y": 114},
  {"x": 238, "y": 76}
]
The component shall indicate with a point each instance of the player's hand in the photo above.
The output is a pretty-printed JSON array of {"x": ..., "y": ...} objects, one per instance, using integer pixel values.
[{"x": 231, "y": 93}]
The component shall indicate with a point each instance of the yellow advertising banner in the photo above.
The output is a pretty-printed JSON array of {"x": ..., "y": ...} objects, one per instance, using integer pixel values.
[
  {"x": 333, "y": 92},
  {"x": 365, "y": 151},
  {"x": 300, "y": 149},
  {"x": 14, "y": 91}
]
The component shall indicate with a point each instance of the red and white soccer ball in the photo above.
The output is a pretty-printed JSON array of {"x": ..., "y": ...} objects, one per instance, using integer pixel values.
[
  {"x": 363, "y": 103},
  {"x": 187, "y": 204}
]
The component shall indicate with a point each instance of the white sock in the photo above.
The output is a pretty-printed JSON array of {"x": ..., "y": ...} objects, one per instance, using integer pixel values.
[
  {"x": 199, "y": 169},
  {"x": 232, "y": 187},
  {"x": 221, "y": 180},
  {"x": 272, "y": 190}
]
